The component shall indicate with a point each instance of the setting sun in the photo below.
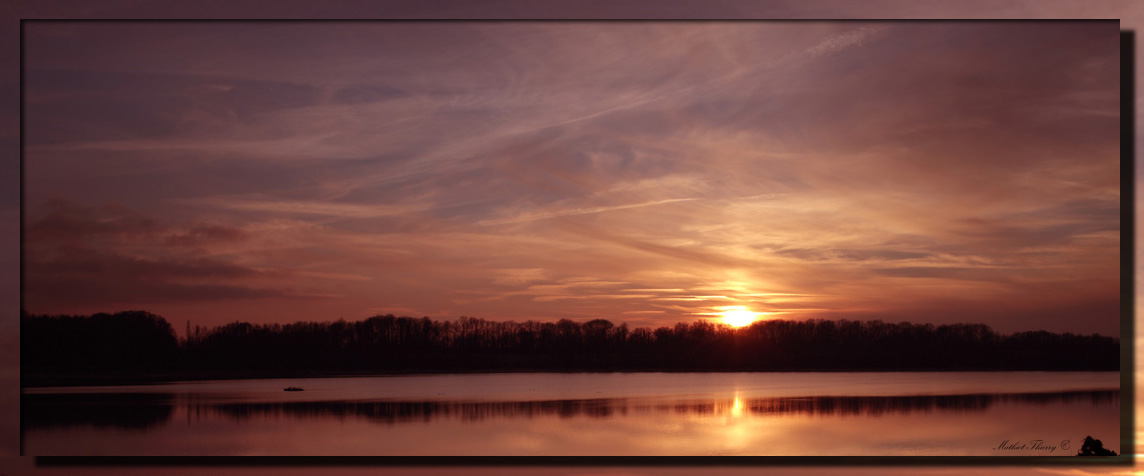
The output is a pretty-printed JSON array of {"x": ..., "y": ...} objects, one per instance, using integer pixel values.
[{"x": 739, "y": 316}]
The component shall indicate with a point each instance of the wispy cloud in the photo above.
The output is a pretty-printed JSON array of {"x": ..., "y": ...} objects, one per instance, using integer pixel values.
[
  {"x": 861, "y": 170},
  {"x": 577, "y": 211},
  {"x": 846, "y": 40},
  {"x": 310, "y": 207}
]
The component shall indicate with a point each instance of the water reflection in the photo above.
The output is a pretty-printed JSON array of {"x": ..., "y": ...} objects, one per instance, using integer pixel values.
[
  {"x": 390, "y": 412},
  {"x": 875, "y": 406},
  {"x": 130, "y": 411},
  {"x": 142, "y": 411}
]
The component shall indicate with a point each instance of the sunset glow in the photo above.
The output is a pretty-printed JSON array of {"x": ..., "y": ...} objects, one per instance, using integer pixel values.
[
  {"x": 739, "y": 317},
  {"x": 640, "y": 172}
]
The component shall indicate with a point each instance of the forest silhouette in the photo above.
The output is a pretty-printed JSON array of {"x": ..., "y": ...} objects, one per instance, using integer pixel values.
[{"x": 138, "y": 345}]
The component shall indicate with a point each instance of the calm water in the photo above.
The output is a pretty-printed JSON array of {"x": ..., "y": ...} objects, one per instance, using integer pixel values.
[{"x": 969, "y": 413}]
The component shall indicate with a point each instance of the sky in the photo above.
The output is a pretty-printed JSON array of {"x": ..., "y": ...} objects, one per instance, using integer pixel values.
[{"x": 640, "y": 172}]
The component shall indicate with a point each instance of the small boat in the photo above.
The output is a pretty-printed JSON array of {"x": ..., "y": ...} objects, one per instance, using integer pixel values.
[{"x": 292, "y": 389}]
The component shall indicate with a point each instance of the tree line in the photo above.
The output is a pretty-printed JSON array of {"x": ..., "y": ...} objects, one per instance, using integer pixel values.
[{"x": 142, "y": 342}]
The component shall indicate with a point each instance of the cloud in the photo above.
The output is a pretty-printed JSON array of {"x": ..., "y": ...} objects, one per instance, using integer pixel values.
[
  {"x": 70, "y": 105},
  {"x": 198, "y": 235},
  {"x": 366, "y": 93},
  {"x": 64, "y": 292},
  {"x": 68, "y": 220},
  {"x": 83, "y": 255},
  {"x": 814, "y": 254},
  {"x": 843, "y": 41},
  {"x": 576, "y": 211},
  {"x": 309, "y": 207},
  {"x": 519, "y": 276}
]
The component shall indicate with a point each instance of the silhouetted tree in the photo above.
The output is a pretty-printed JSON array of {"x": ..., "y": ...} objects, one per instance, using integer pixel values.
[
  {"x": 1093, "y": 447},
  {"x": 121, "y": 342}
]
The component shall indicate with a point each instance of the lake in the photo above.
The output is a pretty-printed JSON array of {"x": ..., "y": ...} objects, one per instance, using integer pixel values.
[{"x": 589, "y": 414}]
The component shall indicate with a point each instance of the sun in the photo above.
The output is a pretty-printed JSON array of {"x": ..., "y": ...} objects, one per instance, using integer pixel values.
[{"x": 739, "y": 316}]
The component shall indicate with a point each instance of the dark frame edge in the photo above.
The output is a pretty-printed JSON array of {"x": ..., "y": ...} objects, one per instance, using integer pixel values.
[
  {"x": 1128, "y": 240},
  {"x": 580, "y": 461},
  {"x": 23, "y": 234}
]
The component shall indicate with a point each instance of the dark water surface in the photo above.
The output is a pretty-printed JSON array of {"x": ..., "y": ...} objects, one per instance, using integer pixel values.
[{"x": 804, "y": 414}]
